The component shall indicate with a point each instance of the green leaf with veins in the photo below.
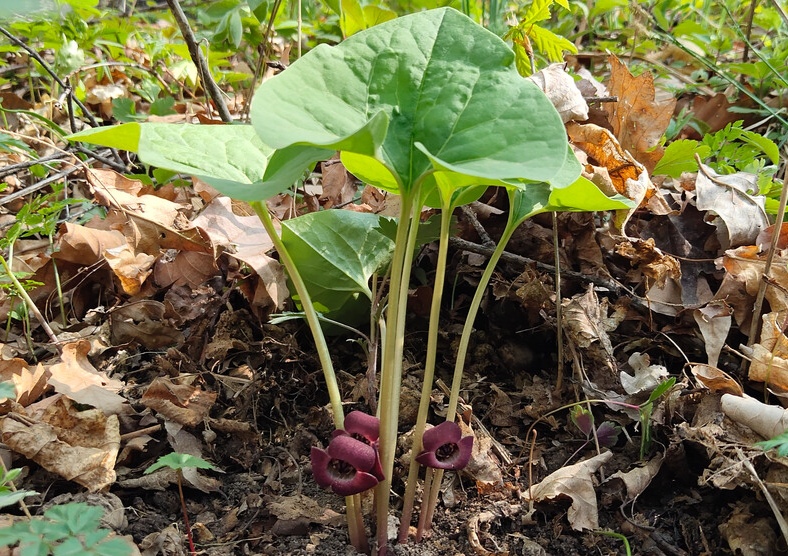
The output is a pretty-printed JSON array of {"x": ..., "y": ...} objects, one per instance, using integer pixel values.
[
  {"x": 336, "y": 253},
  {"x": 229, "y": 157},
  {"x": 410, "y": 96}
]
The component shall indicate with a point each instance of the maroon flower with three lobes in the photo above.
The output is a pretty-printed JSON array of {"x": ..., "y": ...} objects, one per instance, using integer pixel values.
[
  {"x": 350, "y": 464},
  {"x": 445, "y": 447}
]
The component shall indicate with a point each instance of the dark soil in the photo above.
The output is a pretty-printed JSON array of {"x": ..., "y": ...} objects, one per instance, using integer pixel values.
[{"x": 268, "y": 376}]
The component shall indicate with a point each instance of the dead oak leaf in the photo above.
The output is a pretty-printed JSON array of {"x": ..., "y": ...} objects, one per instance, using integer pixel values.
[
  {"x": 742, "y": 215},
  {"x": 637, "y": 119},
  {"x": 575, "y": 482},
  {"x": 29, "y": 382},
  {"x": 80, "y": 446},
  {"x": 76, "y": 377},
  {"x": 181, "y": 403}
]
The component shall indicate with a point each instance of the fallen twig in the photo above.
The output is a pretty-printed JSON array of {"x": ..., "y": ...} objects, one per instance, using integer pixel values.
[{"x": 199, "y": 60}]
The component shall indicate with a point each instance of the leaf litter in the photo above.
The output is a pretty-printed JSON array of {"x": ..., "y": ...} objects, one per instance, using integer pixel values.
[{"x": 165, "y": 345}]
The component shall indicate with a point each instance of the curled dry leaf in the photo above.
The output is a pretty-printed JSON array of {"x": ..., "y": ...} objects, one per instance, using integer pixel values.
[
  {"x": 80, "y": 446},
  {"x": 575, "y": 482},
  {"x": 131, "y": 269},
  {"x": 483, "y": 467},
  {"x": 244, "y": 238},
  {"x": 767, "y": 420},
  {"x": 646, "y": 377},
  {"x": 29, "y": 382},
  {"x": 170, "y": 541},
  {"x": 76, "y": 377},
  {"x": 626, "y": 486},
  {"x": 742, "y": 214},
  {"x": 714, "y": 321},
  {"x": 651, "y": 261},
  {"x": 719, "y": 382},
  {"x": 769, "y": 357},
  {"x": 638, "y": 119},
  {"x": 560, "y": 88},
  {"x": 587, "y": 325},
  {"x": 614, "y": 170},
  {"x": 181, "y": 403}
]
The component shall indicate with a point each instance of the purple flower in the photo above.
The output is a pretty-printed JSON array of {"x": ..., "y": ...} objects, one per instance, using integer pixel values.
[
  {"x": 363, "y": 426},
  {"x": 348, "y": 466},
  {"x": 445, "y": 447}
]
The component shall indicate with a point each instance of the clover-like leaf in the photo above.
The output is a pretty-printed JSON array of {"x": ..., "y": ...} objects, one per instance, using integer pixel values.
[{"x": 177, "y": 460}]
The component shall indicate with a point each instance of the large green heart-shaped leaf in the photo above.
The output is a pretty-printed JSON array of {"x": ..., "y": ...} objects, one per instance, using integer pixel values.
[
  {"x": 231, "y": 158},
  {"x": 428, "y": 90},
  {"x": 336, "y": 252}
]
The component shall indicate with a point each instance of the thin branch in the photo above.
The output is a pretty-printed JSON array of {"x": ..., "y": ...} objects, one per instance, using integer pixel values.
[
  {"x": 756, "y": 310},
  {"x": 33, "y": 54},
  {"x": 63, "y": 84},
  {"x": 199, "y": 60},
  {"x": 780, "y": 11},
  {"x": 616, "y": 288}
]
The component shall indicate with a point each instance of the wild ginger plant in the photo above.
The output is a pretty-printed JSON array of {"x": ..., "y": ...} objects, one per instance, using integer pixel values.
[{"x": 431, "y": 107}]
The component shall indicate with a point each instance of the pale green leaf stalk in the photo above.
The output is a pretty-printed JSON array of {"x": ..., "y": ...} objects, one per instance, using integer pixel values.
[
  {"x": 425, "y": 102},
  {"x": 352, "y": 503},
  {"x": 524, "y": 203}
]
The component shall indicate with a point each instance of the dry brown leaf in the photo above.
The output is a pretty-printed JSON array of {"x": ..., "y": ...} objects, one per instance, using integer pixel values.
[
  {"x": 637, "y": 119},
  {"x": 181, "y": 403},
  {"x": 749, "y": 535},
  {"x": 244, "y": 238},
  {"x": 742, "y": 214},
  {"x": 746, "y": 265},
  {"x": 610, "y": 167},
  {"x": 143, "y": 322},
  {"x": 29, "y": 382},
  {"x": 626, "y": 486},
  {"x": 155, "y": 223},
  {"x": 769, "y": 357},
  {"x": 719, "y": 382},
  {"x": 587, "y": 324},
  {"x": 168, "y": 542},
  {"x": 339, "y": 185},
  {"x": 299, "y": 507},
  {"x": 764, "y": 239},
  {"x": 84, "y": 245},
  {"x": 560, "y": 88},
  {"x": 131, "y": 269},
  {"x": 483, "y": 467},
  {"x": 80, "y": 446},
  {"x": 714, "y": 321},
  {"x": 185, "y": 267},
  {"x": 650, "y": 260},
  {"x": 78, "y": 379},
  {"x": 577, "y": 483},
  {"x": 767, "y": 420}
]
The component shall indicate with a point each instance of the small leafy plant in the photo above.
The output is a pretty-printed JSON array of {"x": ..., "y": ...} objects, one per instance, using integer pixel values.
[
  {"x": 430, "y": 107},
  {"x": 65, "y": 529},
  {"x": 779, "y": 443},
  {"x": 178, "y": 462}
]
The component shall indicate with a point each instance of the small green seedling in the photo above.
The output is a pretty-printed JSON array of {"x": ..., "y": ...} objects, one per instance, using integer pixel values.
[
  {"x": 779, "y": 442},
  {"x": 69, "y": 529},
  {"x": 178, "y": 462}
]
